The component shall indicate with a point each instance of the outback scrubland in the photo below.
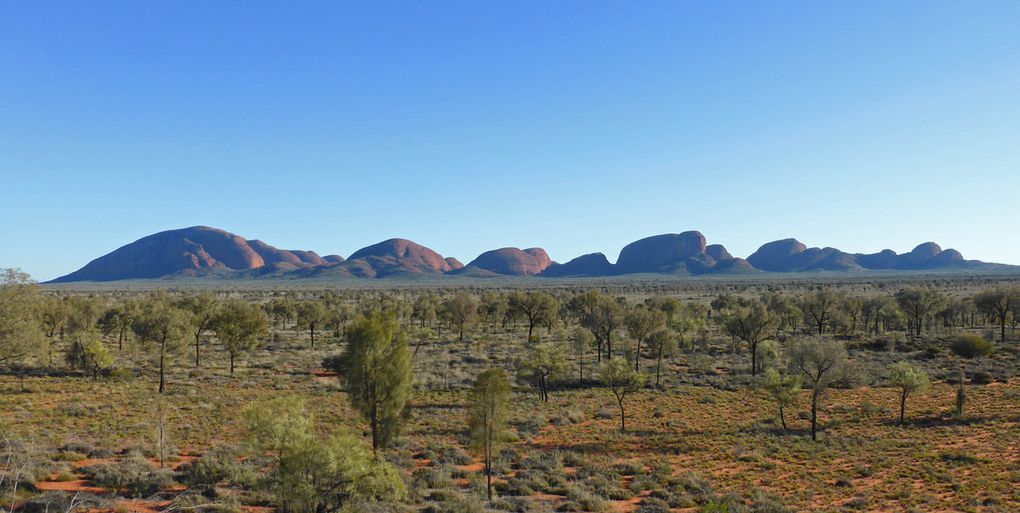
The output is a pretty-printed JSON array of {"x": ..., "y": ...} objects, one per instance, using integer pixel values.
[{"x": 891, "y": 394}]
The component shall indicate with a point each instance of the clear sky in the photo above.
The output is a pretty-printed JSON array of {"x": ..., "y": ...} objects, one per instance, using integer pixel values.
[{"x": 574, "y": 126}]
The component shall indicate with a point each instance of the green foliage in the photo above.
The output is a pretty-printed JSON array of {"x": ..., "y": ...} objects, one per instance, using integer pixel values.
[
  {"x": 971, "y": 346},
  {"x": 821, "y": 362},
  {"x": 376, "y": 367},
  {"x": 309, "y": 475},
  {"x": 618, "y": 375},
  {"x": 163, "y": 325},
  {"x": 488, "y": 408},
  {"x": 784, "y": 390},
  {"x": 239, "y": 325},
  {"x": 908, "y": 379},
  {"x": 544, "y": 363},
  {"x": 20, "y": 333}
]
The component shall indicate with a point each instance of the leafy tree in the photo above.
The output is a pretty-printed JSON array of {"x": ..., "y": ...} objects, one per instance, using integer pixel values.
[
  {"x": 751, "y": 323},
  {"x": 692, "y": 318},
  {"x": 616, "y": 374},
  {"x": 601, "y": 315},
  {"x": 919, "y": 304},
  {"x": 96, "y": 357},
  {"x": 83, "y": 316},
  {"x": 425, "y": 309},
  {"x": 820, "y": 362},
  {"x": 310, "y": 316},
  {"x": 462, "y": 308},
  {"x": 239, "y": 325},
  {"x": 581, "y": 340},
  {"x": 784, "y": 390},
  {"x": 535, "y": 306},
  {"x": 488, "y": 408},
  {"x": 204, "y": 311},
  {"x": 493, "y": 307},
  {"x": 878, "y": 311},
  {"x": 819, "y": 308},
  {"x": 997, "y": 304},
  {"x": 376, "y": 366},
  {"x": 165, "y": 326},
  {"x": 544, "y": 363},
  {"x": 908, "y": 379},
  {"x": 662, "y": 343},
  {"x": 20, "y": 333},
  {"x": 53, "y": 315},
  {"x": 118, "y": 319},
  {"x": 313, "y": 475},
  {"x": 641, "y": 322}
]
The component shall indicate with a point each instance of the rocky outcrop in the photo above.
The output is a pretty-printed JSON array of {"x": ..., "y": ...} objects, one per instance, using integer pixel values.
[
  {"x": 512, "y": 261},
  {"x": 592, "y": 264},
  {"x": 188, "y": 251}
]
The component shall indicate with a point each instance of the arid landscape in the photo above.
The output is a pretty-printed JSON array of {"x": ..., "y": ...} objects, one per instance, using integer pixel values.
[
  {"x": 509, "y": 257},
  {"x": 86, "y": 426}
]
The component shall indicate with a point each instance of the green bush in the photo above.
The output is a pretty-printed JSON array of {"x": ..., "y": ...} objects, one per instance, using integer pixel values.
[
  {"x": 971, "y": 346},
  {"x": 133, "y": 476}
]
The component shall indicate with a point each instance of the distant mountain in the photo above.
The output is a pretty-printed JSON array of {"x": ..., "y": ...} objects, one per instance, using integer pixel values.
[
  {"x": 510, "y": 262},
  {"x": 790, "y": 255},
  {"x": 194, "y": 251},
  {"x": 201, "y": 251}
]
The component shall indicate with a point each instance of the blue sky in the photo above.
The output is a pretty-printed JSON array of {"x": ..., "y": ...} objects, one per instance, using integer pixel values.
[{"x": 574, "y": 126}]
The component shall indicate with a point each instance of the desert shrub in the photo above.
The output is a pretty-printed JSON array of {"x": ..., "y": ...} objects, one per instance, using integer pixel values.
[
  {"x": 971, "y": 346},
  {"x": 982, "y": 378},
  {"x": 120, "y": 375},
  {"x": 450, "y": 501},
  {"x": 133, "y": 476},
  {"x": 512, "y": 504},
  {"x": 762, "y": 502},
  {"x": 215, "y": 466},
  {"x": 653, "y": 505},
  {"x": 453, "y": 455},
  {"x": 427, "y": 477},
  {"x": 51, "y": 502}
]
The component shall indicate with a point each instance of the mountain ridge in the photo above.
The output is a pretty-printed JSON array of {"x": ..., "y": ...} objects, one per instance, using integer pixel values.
[{"x": 201, "y": 251}]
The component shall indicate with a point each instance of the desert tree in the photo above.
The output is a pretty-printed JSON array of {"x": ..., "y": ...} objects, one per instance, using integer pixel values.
[
  {"x": 662, "y": 342},
  {"x": 461, "y": 309},
  {"x": 581, "y": 340},
  {"x": 819, "y": 308},
  {"x": 752, "y": 323},
  {"x": 997, "y": 304},
  {"x": 820, "y": 362},
  {"x": 601, "y": 315},
  {"x": 877, "y": 312},
  {"x": 537, "y": 307},
  {"x": 311, "y": 315},
  {"x": 311, "y": 474},
  {"x": 54, "y": 312},
  {"x": 488, "y": 409},
  {"x": 83, "y": 317},
  {"x": 96, "y": 357},
  {"x": 204, "y": 309},
  {"x": 239, "y": 325},
  {"x": 617, "y": 375},
  {"x": 691, "y": 319},
  {"x": 20, "y": 332},
  {"x": 544, "y": 363},
  {"x": 492, "y": 308},
  {"x": 920, "y": 304},
  {"x": 118, "y": 319},
  {"x": 376, "y": 368},
  {"x": 641, "y": 321},
  {"x": 785, "y": 311},
  {"x": 426, "y": 309},
  {"x": 784, "y": 391},
  {"x": 161, "y": 324},
  {"x": 908, "y": 379}
]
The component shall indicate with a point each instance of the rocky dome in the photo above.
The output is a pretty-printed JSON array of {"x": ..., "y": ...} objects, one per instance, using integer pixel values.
[
  {"x": 660, "y": 253},
  {"x": 198, "y": 249},
  {"x": 592, "y": 264},
  {"x": 773, "y": 255},
  {"x": 512, "y": 261},
  {"x": 401, "y": 253}
]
